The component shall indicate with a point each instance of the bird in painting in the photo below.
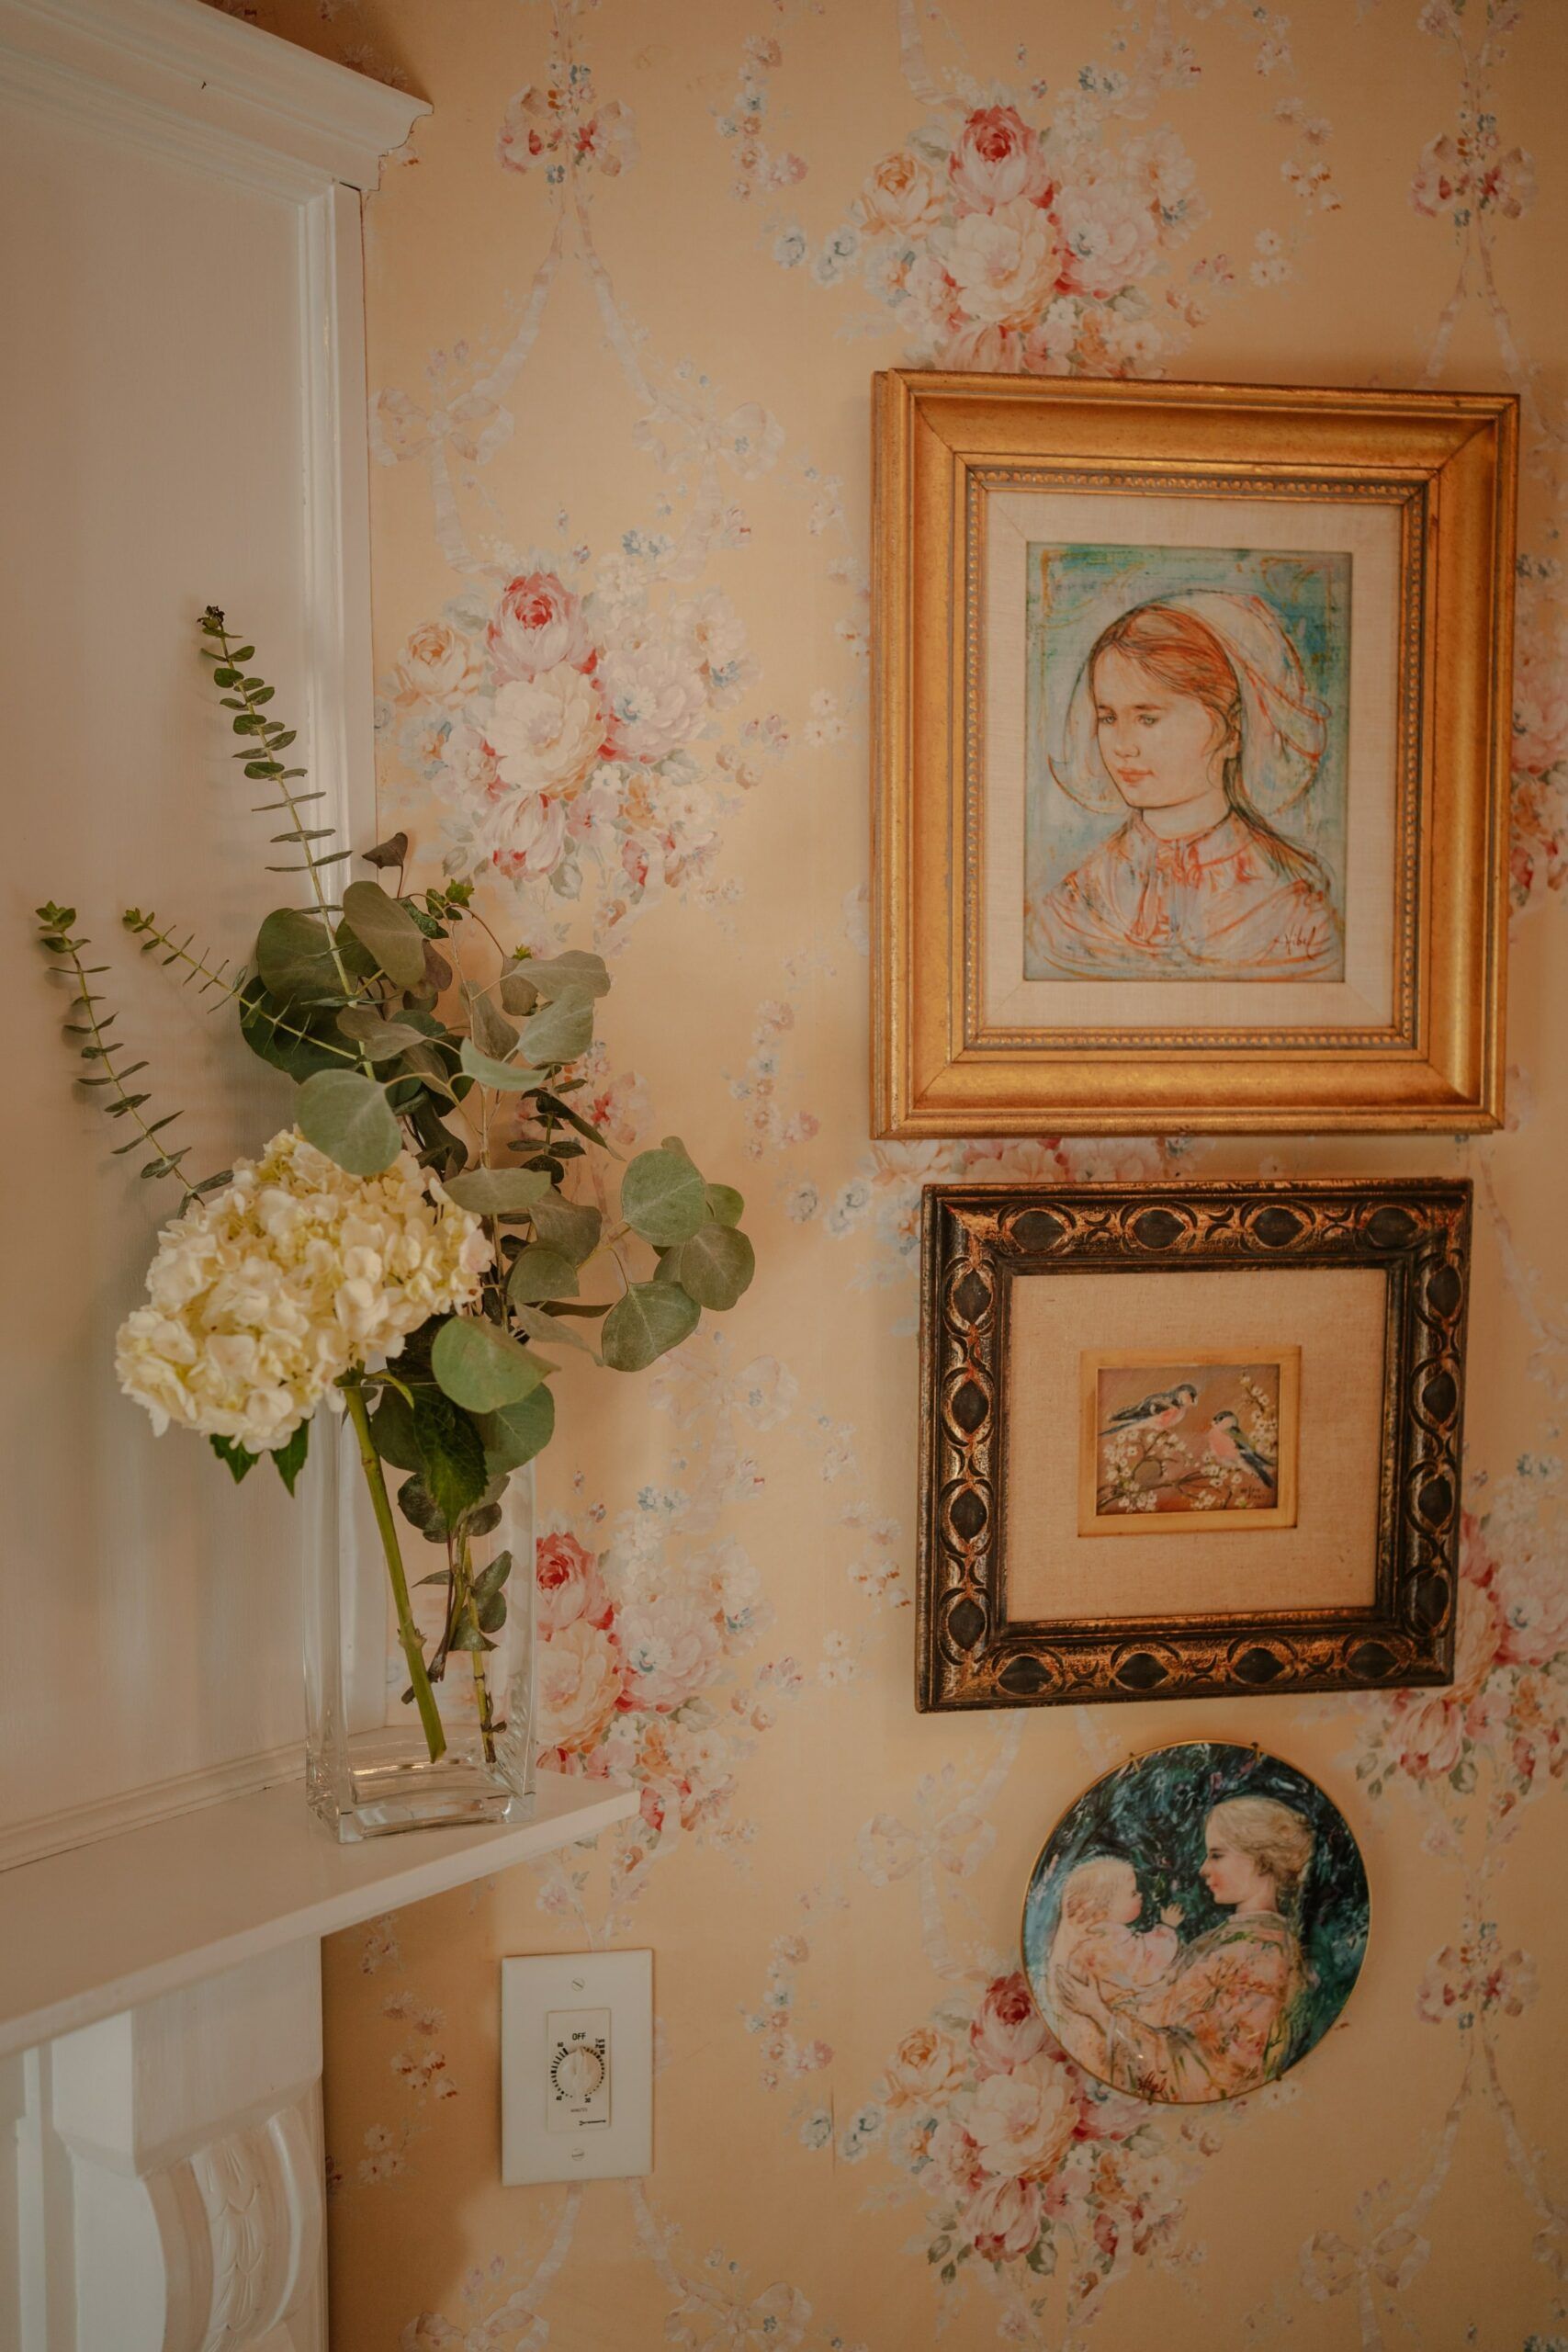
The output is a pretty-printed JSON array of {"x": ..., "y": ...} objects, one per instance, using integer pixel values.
[
  {"x": 1227, "y": 1444},
  {"x": 1160, "y": 1411}
]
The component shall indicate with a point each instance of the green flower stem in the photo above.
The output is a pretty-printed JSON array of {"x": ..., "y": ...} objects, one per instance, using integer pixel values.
[
  {"x": 408, "y": 1632},
  {"x": 476, "y": 1656}
]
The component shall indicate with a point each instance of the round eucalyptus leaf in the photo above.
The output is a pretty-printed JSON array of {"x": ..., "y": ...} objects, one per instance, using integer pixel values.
[
  {"x": 391, "y": 1430},
  {"x": 562, "y": 1029},
  {"x": 650, "y": 1319},
  {"x": 716, "y": 1265},
  {"x": 514, "y": 1433},
  {"x": 491, "y": 1032},
  {"x": 540, "y": 1272},
  {"x": 571, "y": 1227},
  {"x": 481, "y": 1367},
  {"x": 345, "y": 1115},
  {"x": 574, "y": 971},
  {"x": 663, "y": 1198},
  {"x": 382, "y": 1040},
  {"x": 726, "y": 1205},
  {"x": 499, "y": 1191},
  {"x": 502, "y": 1077},
  {"x": 294, "y": 957},
  {"x": 554, "y": 1331},
  {"x": 386, "y": 929}
]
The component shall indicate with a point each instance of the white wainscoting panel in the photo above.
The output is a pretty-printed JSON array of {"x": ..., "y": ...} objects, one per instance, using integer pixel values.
[{"x": 181, "y": 420}]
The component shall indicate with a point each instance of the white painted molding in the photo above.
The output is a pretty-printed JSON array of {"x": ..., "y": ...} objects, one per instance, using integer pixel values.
[
  {"x": 187, "y": 84},
  {"x": 220, "y": 93},
  {"x": 56, "y": 1833}
]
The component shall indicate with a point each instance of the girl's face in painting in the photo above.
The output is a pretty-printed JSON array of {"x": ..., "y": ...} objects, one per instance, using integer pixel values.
[
  {"x": 1161, "y": 748},
  {"x": 1233, "y": 1878}
]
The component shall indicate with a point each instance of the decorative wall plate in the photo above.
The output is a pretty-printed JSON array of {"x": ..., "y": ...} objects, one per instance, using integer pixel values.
[{"x": 1196, "y": 1922}]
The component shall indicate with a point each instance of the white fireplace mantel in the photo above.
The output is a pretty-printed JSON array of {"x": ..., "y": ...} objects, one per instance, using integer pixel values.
[{"x": 161, "y": 2162}]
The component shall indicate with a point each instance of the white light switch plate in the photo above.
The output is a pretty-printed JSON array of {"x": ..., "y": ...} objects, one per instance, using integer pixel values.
[{"x": 577, "y": 2066}]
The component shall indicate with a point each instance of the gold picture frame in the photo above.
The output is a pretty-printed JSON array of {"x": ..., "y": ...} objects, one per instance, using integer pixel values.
[
  {"x": 1370, "y": 998},
  {"x": 1217, "y": 1490}
]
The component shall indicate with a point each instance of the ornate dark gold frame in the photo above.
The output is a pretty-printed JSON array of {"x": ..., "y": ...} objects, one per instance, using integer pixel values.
[{"x": 976, "y": 1239}]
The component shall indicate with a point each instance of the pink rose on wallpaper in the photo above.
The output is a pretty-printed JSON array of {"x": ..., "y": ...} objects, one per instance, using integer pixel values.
[
  {"x": 537, "y": 625},
  {"x": 1002, "y": 2219},
  {"x": 580, "y": 1686},
  {"x": 1009, "y": 2031},
  {"x": 437, "y": 666},
  {"x": 469, "y": 764},
  {"x": 955, "y": 2159},
  {"x": 1022, "y": 2122},
  {"x": 671, "y": 1649},
  {"x": 1428, "y": 1729},
  {"x": 998, "y": 159},
  {"x": 933, "y": 297},
  {"x": 655, "y": 696},
  {"x": 522, "y": 834},
  {"x": 902, "y": 194},
  {"x": 1427, "y": 1734},
  {"x": 569, "y": 1584},
  {"x": 686, "y": 1771},
  {"x": 1005, "y": 263},
  {"x": 926, "y": 2067},
  {"x": 547, "y": 732},
  {"x": 1110, "y": 234}
]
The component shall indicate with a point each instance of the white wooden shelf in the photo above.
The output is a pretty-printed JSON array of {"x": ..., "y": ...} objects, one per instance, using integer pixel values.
[{"x": 86, "y": 1934}]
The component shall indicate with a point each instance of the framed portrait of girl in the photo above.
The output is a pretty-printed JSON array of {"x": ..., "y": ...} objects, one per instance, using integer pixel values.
[{"x": 1192, "y": 736}]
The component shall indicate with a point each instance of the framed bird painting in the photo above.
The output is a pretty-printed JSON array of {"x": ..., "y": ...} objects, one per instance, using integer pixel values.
[
  {"x": 1191, "y": 755},
  {"x": 1184, "y": 1438}
]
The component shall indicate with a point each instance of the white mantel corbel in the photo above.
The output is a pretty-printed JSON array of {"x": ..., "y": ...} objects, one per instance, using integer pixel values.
[{"x": 193, "y": 2128}]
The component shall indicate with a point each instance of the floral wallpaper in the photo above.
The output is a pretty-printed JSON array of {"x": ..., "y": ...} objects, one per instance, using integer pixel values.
[{"x": 626, "y": 288}]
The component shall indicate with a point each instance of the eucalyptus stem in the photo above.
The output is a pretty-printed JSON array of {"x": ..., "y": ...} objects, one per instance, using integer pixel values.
[
  {"x": 408, "y": 1632},
  {"x": 466, "y": 1607},
  {"x": 153, "y": 935},
  {"x": 102, "y": 1050},
  {"x": 244, "y": 690}
]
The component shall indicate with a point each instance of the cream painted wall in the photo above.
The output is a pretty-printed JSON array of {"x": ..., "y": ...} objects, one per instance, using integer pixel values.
[{"x": 638, "y": 359}]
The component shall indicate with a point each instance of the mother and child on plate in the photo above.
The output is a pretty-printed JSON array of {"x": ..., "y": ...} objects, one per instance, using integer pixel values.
[{"x": 1139, "y": 2010}]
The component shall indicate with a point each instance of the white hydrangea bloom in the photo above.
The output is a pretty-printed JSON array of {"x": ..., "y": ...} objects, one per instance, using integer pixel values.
[{"x": 263, "y": 1295}]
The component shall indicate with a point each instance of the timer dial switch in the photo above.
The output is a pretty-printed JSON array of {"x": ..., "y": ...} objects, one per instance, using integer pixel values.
[{"x": 576, "y": 2070}]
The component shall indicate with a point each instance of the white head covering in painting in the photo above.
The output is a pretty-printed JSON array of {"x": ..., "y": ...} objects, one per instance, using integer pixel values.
[{"x": 1284, "y": 727}]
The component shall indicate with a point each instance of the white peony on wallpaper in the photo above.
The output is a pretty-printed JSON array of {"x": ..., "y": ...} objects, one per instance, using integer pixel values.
[{"x": 626, "y": 288}]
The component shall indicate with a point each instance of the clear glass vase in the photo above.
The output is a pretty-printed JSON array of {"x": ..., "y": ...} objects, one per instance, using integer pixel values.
[{"x": 368, "y": 1766}]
